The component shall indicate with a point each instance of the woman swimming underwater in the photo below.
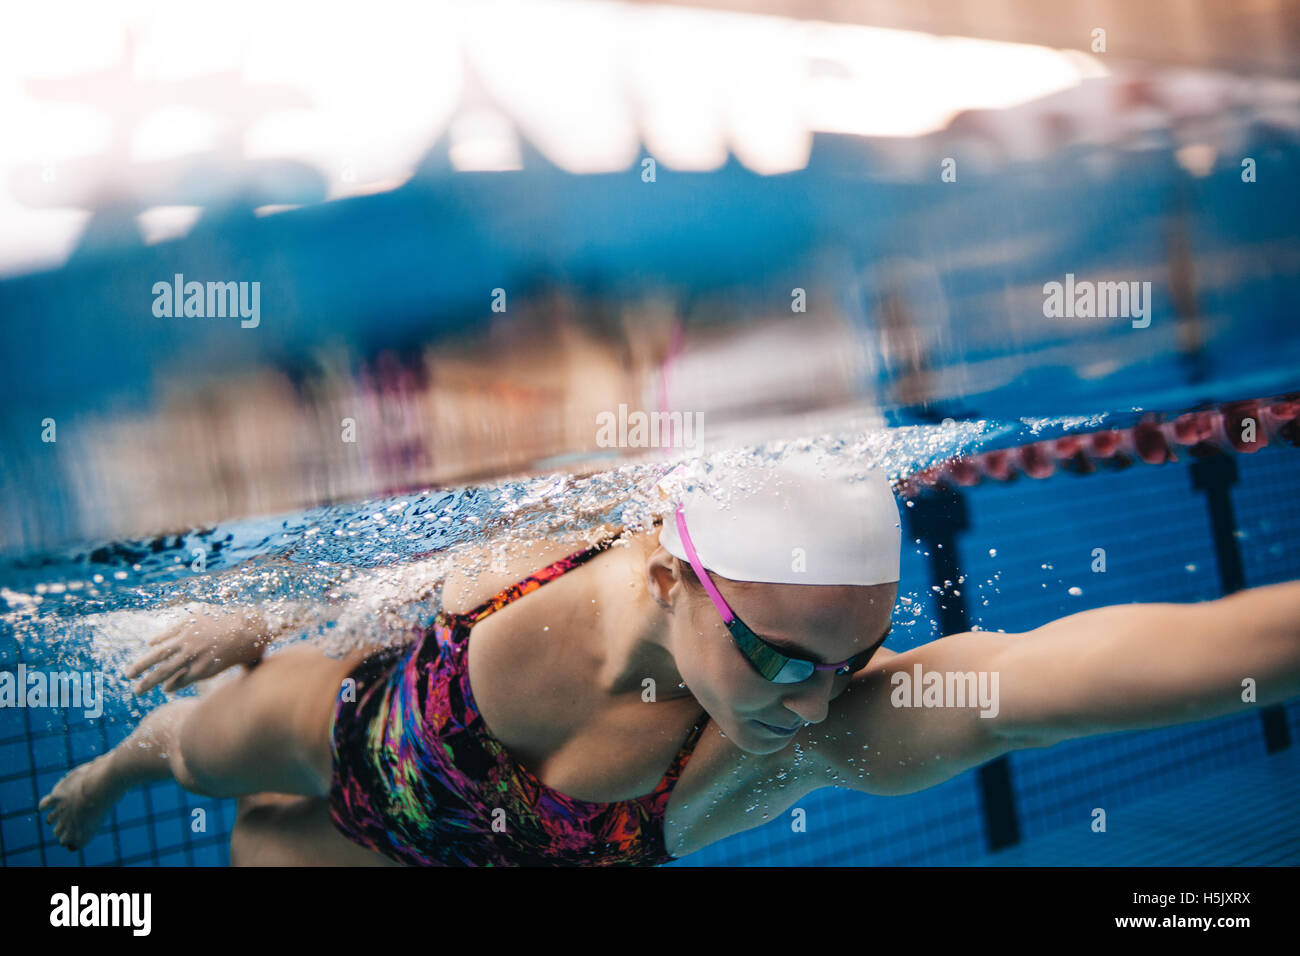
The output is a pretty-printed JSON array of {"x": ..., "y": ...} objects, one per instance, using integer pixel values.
[{"x": 631, "y": 701}]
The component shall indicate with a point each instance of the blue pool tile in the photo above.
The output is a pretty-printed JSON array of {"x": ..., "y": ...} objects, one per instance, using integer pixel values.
[
  {"x": 20, "y": 830},
  {"x": 134, "y": 840},
  {"x": 11, "y": 722},
  {"x": 15, "y": 794},
  {"x": 86, "y": 745},
  {"x": 15, "y": 758},
  {"x": 211, "y": 855},
  {"x": 165, "y": 797},
  {"x": 170, "y": 831},
  {"x": 56, "y": 855},
  {"x": 131, "y": 808},
  {"x": 50, "y": 750},
  {"x": 101, "y": 850}
]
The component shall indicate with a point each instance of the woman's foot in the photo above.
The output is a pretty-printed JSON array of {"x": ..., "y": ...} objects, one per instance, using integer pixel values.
[{"x": 79, "y": 802}]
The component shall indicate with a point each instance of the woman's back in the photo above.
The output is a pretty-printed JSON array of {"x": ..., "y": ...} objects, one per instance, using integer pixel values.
[{"x": 560, "y": 765}]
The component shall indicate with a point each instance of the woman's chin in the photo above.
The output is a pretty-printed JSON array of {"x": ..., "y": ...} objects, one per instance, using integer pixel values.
[{"x": 759, "y": 741}]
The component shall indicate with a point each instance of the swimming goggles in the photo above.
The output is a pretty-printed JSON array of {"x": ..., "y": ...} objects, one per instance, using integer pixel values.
[{"x": 772, "y": 664}]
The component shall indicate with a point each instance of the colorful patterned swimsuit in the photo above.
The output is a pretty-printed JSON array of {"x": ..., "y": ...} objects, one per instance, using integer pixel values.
[{"x": 419, "y": 778}]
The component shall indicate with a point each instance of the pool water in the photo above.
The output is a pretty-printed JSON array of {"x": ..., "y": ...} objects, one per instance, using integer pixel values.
[
  {"x": 925, "y": 338},
  {"x": 1014, "y": 555}
]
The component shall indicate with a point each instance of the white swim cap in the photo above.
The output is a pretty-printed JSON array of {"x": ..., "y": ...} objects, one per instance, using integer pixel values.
[{"x": 799, "y": 520}]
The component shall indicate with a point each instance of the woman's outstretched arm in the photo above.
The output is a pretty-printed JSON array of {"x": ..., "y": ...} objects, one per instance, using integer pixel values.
[
  {"x": 923, "y": 716},
  {"x": 1131, "y": 667}
]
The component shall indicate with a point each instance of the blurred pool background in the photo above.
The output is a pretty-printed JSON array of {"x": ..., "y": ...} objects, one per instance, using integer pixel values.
[{"x": 473, "y": 239}]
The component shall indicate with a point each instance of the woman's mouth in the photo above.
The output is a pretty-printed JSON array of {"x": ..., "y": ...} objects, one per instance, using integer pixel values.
[{"x": 779, "y": 731}]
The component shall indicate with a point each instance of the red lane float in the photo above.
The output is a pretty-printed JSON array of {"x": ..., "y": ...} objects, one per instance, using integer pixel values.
[{"x": 1241, "y": 427}]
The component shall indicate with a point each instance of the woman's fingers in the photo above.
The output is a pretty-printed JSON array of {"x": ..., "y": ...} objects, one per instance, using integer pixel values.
[
  {"x": 162, "y": 672},
  {"x": 178, "y": 680},
  {"x": 167, "y": 633},
  {"x": 143, "y": 686},
  {"x": 149, "y": 660}
]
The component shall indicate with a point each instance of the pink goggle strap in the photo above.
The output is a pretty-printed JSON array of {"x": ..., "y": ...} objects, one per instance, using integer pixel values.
[{"x": 727, "y": 614}]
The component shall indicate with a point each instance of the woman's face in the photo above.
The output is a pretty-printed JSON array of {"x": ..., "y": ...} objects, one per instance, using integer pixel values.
[{"x": 824, "y": 623}]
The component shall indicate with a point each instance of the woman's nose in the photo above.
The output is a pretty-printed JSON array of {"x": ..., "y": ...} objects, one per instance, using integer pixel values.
[{"x": 813, "y": 699}]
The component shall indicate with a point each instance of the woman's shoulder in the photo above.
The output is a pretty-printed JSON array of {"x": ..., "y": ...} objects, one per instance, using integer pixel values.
[{"x": 483, "y": 570}]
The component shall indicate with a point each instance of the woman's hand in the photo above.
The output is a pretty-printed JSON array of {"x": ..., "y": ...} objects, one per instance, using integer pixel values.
[{"x": 207, "y": 641}]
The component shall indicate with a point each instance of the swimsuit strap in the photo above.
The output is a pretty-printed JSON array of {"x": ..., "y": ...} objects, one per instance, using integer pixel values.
[
  {"x": 536, "y": 580},
  {"x": 669, "y": 779}
]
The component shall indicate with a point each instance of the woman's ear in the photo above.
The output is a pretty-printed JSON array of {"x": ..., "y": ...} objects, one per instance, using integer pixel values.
[{"x": 662, "y": 576}]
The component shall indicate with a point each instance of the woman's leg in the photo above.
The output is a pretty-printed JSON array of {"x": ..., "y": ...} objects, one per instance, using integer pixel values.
[
  {"x": 268, "y": 730},
  {"x": 276, "y": 830}
]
